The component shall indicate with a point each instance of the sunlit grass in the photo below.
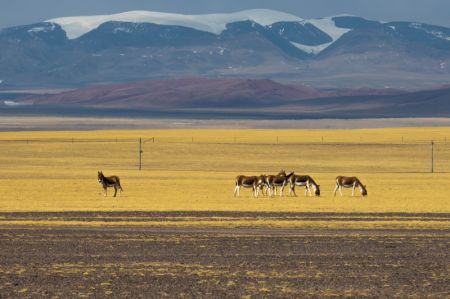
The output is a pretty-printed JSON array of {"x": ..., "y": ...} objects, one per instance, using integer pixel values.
[{"x": 185, "y": 170}]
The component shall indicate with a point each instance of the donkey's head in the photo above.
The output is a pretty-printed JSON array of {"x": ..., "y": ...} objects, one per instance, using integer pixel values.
[
  {"x": 282, "y": 173},
  {"x": 317, "y": 191},
  {"x": 100, "y": 176},
  {"x": 363, "y": 190}
]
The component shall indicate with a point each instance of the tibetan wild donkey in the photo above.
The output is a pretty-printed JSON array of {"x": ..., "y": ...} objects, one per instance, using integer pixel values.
[
  {"x": 279, "y": 180},
  {"x": 349, "y": 182},
  {"x": 109, "y": 181},
  {"x": 304, "y": 180},
  {"x": 248, "y": 182}
]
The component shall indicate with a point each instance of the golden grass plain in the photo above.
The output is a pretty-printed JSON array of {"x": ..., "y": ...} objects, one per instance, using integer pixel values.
[
  {"x": 350, "y": 248},
  {"x": 194, "y": 170}
]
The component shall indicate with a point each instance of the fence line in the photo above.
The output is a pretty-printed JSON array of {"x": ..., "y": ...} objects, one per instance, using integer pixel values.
[
  {"x": 220, "y": 141},
  {"x": 139, "y": 153}
]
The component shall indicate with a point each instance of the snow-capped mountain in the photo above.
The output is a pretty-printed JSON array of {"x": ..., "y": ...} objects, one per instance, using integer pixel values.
[
  {"x": 321, "y": 32},
  {"x": 334, "y": 51}
]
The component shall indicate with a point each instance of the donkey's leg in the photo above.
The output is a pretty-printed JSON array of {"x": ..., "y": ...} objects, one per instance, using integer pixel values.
[
  {"x": 291, "y": 189},
  {"x": 120, "y": 189},
  {"x": 282, "y": 188},
  {"x": 105, "y": 191},
  {"x": 335, "y": 189},
  {"x": 353, "y": 189},
  {"x": 308, "y": 188},
  {"x": 115, "y": 190},
  {"x": 235, "y": 190}
]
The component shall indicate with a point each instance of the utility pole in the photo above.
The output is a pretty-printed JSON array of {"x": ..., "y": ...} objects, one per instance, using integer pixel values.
[
  {"x": 432, "y": 156},
  {"x": 140, "y": 153}
]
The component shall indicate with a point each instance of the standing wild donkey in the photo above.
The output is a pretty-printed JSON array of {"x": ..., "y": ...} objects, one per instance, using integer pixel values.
[
  {"x": 110, "y": 181},
  {"x": 279, "y": 180},
  {"x": 349, "y": 182},
  {"x": 253, "y": 182},
  {"x": 303, "y": 180}
]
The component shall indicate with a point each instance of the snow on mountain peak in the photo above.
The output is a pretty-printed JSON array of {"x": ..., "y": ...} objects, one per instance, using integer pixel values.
[{"x": 214, "y": 23}]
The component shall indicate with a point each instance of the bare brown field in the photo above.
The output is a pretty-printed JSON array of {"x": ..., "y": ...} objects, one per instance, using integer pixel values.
[{"x": 221, "y": 262}]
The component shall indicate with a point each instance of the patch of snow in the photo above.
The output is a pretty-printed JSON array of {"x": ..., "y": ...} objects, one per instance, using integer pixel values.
[
  {"x": 392, "y": 27},
  {"x": 42, "y": 28},
  {"x": 436, "y": 33},
  {"x": 328, "y": 26},
  {"x": 312, "y": 49},
  {"x": 439, "y": 34},
  {"x": 416, "y": 25},
  {"x": 14, "y": 104},
  {"x": 214, "y": 23},
  {"x": 121, "y": 29},
  {"x": 443, "y": 65},
  {"x": 1, "y": 81}
]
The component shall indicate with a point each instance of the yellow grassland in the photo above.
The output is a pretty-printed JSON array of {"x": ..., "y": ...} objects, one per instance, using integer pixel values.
[{"x": 195, "y": 169}]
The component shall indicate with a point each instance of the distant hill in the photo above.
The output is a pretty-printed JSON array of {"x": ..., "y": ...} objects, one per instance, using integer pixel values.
[
  {"x": 333, "y": 52},
  {"x": 234, "y": 96},
  {"x": 183, "y": 93}
]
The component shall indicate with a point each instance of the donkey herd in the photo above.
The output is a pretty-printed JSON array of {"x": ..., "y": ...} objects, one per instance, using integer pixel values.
[
  {"x": 267, "y": 184},
  {"x": 271, "y": 182}
]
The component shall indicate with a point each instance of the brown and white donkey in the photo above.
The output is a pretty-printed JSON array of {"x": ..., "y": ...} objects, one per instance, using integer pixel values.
[
  {"x": 110, "y": 181},
  {"x": 253, "y": 182},
  {"x": 303, "y": 180},
  {"x": 349, "y": 182},
  {"x": 279, "y": 180}
]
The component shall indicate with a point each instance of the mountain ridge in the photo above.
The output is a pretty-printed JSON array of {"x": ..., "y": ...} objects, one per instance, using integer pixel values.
[{"x": 340, "y": 51}]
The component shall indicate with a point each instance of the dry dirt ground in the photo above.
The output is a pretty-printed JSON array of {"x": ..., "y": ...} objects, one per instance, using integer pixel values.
[
  {"x": 33, "y": 123},
  {"x": 159, "y": 261}
]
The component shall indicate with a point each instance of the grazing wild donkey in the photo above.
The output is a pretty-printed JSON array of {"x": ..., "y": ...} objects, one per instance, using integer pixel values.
[
  {"x": 279, "y": 180},
  {"x": 110, "y": 181},
  {"x": 253, "y": 182},
  {"x": 263, "y": 183},
  {"x": 303, "y": 180},
  {"x": 349, "y": 182}
]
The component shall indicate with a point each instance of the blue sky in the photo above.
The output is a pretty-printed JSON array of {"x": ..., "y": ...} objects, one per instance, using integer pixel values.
[{"x": 18, "y": 12}]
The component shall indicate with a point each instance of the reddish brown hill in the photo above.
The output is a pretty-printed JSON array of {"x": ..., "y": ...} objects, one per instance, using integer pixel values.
[{"x": 184, "y": 93}]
